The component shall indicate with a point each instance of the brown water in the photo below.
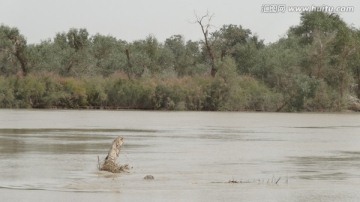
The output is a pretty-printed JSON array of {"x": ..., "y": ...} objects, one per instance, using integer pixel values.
[{"x": 52, "y": 156}]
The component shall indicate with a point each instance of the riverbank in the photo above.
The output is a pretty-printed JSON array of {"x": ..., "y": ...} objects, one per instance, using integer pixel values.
[{"x": 240, "y": 93}]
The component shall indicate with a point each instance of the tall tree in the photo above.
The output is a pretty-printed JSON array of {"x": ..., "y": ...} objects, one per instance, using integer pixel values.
[
  {"x": 332, "y": 45},
  {"x": 75, "y": 50},
  {"x": 185, "y": 56},
  {"x": 13, "y": 45},
  {"x": 108, "y": 53},
  {"x": 238, "y": 43},
  {"x": 354, "y": 62}
]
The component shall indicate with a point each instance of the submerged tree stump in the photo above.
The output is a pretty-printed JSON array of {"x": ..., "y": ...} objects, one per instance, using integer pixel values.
[{"x": 110, "y": 164}]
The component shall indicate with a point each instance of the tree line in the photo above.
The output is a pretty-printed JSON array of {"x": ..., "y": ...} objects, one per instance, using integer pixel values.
[{"x": 315, "y": 67}]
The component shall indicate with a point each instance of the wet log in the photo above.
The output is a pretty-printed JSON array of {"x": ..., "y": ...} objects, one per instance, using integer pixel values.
[{"x": 110, "y": 164}]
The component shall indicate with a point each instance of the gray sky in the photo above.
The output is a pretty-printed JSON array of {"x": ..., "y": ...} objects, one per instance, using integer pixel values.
[{"x": 135, "y": 19}]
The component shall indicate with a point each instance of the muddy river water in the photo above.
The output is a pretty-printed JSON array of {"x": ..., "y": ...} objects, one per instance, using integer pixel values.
[{"x": 52, "y": 155}]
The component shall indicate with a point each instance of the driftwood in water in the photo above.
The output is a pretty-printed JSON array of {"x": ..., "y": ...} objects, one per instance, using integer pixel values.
[{"x": 110, "y": 164}]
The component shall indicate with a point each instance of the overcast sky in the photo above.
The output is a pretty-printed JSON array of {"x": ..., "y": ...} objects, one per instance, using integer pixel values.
[{"x": 135, "y": 19}]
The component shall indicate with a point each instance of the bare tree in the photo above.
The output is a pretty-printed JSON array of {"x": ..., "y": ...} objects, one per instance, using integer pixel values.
[{"x": 204, "y": 22}]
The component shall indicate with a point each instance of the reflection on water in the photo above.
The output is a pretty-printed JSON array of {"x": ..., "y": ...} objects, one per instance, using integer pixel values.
[
  {"x": 192, "y": 156},
  {"x": 57, "y": 141},
  {"x": 339, "y": 166}
]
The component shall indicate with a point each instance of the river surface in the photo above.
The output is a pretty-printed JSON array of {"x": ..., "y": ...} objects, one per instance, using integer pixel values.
[{"x": 52, "y": 155}]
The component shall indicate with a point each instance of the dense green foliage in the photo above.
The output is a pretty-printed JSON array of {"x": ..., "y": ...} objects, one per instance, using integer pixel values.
[{"x": 316, "y": 67}]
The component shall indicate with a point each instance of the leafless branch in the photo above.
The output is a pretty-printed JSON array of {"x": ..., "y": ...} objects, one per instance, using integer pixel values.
[{"x": 205, "y": 26}]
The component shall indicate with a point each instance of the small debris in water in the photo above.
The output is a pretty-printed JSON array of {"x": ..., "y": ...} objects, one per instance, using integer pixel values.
[
  {"x": 233, "y": 181},
  {"x": 149, "y": 177},
  {"x": 273, "y": 180}
]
